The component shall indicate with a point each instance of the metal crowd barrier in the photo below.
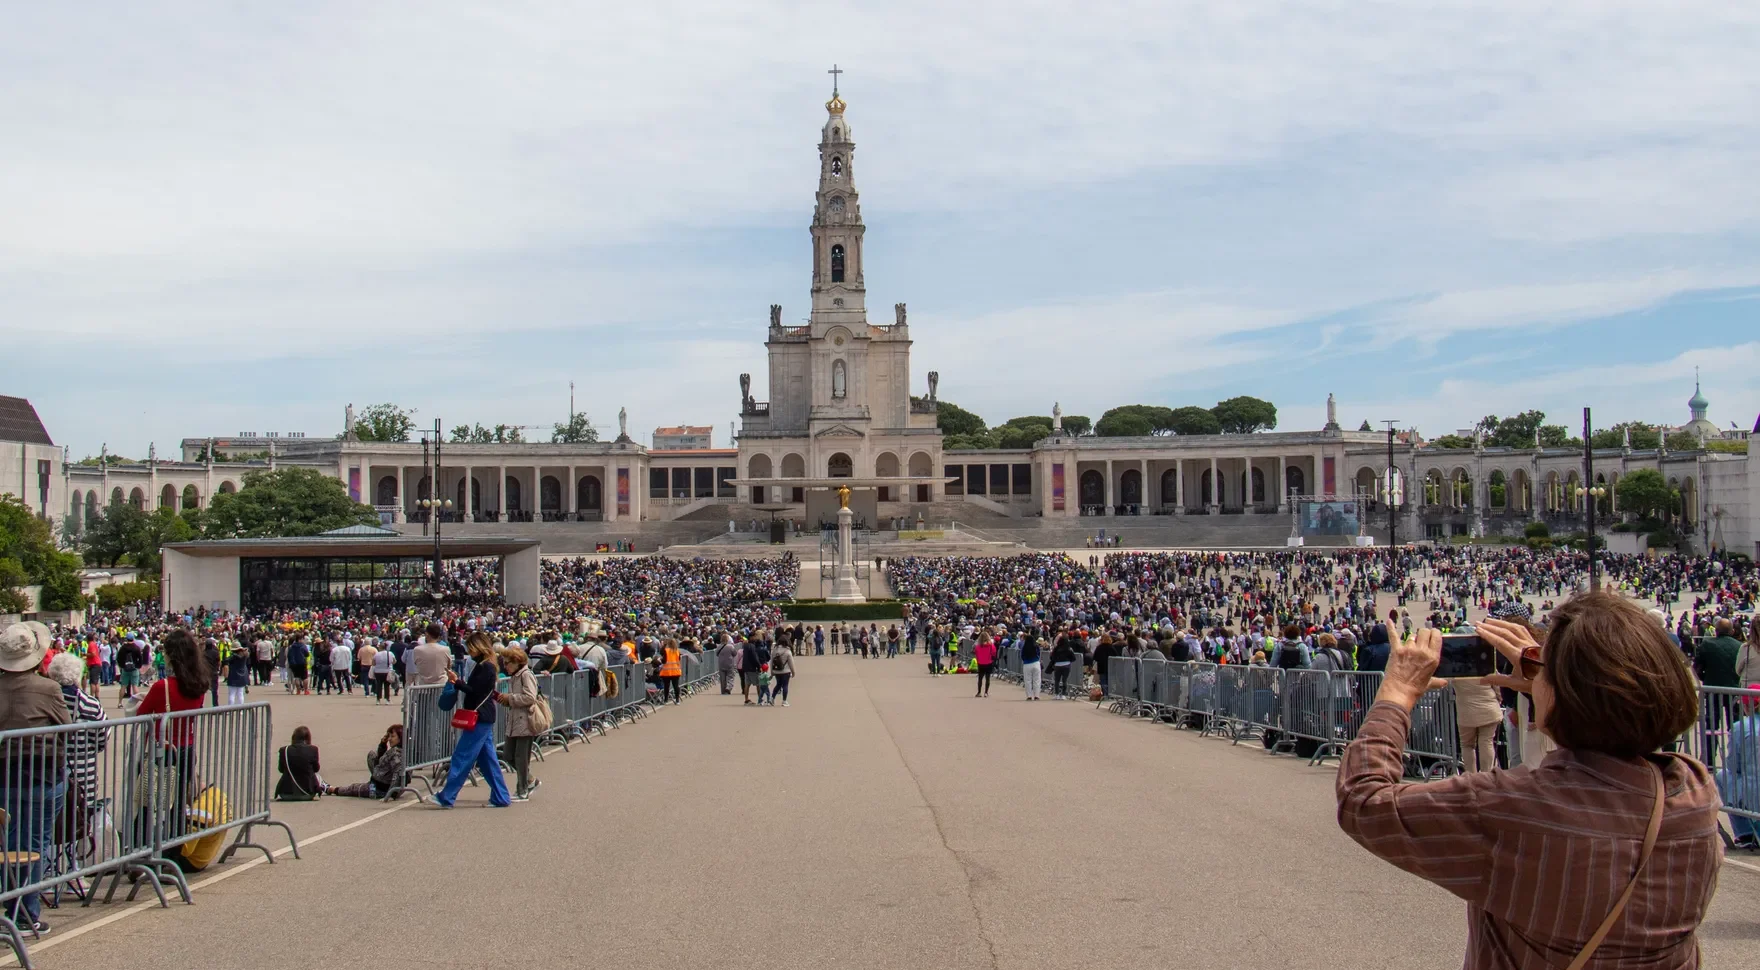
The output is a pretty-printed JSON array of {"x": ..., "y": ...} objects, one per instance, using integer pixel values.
[
  {"x": 118, "y": 798},
  {"x": 1726, "y": 739},
  {"x": 575, "y": 712}
]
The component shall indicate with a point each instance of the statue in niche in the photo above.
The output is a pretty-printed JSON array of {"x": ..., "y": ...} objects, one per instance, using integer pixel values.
[
  {"x": 776, "y": 315},
  {"x": 898, "y": 313},
  {"x": 839, "y": 379},
  {"x": 934, "y": 382}
]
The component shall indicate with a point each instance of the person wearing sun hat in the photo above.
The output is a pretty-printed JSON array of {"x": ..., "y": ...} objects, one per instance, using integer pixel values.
[{"x": 32, "y": 773}]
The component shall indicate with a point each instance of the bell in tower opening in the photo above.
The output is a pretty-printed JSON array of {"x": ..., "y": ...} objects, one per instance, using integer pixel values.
[{"x": 836, "y": 264}]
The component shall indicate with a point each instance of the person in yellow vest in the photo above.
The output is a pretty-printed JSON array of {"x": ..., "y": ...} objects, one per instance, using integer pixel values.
[{"x": 670, "y": 670}]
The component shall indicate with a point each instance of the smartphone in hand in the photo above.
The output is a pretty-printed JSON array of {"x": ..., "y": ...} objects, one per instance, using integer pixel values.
[{"x": 1466, "y": 655}]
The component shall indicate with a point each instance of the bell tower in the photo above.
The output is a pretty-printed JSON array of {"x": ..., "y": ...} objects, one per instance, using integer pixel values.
[{"x": 838, "y": 288}]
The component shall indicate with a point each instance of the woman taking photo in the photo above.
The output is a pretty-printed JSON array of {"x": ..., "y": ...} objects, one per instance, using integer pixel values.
[
  {"x": 476, "y": 745},
  {"x": 385, "y": 765},
  {"x": 1608, "y": 848}
]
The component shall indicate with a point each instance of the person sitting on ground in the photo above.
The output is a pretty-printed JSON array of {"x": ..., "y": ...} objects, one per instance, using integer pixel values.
[
  {"x": 384, "y": 766},
  {"x": 1612, "y": 690},
  {"x": 299, "y": 781}
]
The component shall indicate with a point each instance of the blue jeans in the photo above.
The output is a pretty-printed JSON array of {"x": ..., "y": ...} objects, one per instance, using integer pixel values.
[
  {"x": 35, "y": 810},
  {"x": 475, "y": 747},
  {"x": 1738, "y": 791}
]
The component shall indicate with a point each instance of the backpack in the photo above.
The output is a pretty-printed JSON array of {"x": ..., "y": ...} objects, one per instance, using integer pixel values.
[{"x": 1289, "y": 656}]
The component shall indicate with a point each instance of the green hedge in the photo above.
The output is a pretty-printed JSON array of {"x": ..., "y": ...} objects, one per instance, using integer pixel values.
[{"x": 819, "y": 611}]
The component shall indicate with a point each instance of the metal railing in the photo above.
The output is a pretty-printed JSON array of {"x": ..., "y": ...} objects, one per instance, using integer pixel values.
[{"x": 114, "y": 799}]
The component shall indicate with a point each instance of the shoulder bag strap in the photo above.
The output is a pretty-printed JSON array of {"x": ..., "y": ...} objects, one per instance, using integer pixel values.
[{"x": 1619, "y": 906}]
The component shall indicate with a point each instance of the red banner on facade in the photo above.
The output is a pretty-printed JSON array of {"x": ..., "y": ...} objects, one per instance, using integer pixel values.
[
  {"x": 623, "y": 491},
  {"x": 1057, "y": 487},
  {"x": 1330, "y": 477}
]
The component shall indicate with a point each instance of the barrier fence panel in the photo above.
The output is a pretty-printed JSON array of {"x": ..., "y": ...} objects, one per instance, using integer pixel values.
[
  {"x": 111, "y": 799},
  {"x": 1152, "y": 685},
  {"x": 1009, "y": 664},
  {"x": 1121, "y": 683},
  {"x": 1234, "y": 701},
  {"x": 1433, "y": 744},
  {"x": 1199, "y": 696},
  {"x": 1267, "y": 687},
  {"x": 1727, "y": 740}
]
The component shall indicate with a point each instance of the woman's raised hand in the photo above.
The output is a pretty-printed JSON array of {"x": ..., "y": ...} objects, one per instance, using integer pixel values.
[{"x": 1409, "y": 667}]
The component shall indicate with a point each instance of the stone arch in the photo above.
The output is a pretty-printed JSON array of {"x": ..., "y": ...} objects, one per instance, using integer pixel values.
[
  {"x": 1497, "y": 489},
  {"x": 1689, "y": 503},
  {"x": 1460, "y": 489},
  {"x": 511, "y": 492},
  {"x": 886, "y": 466},
  {"x": 227, "y": 488},
  {"x": 385, "y": 492},
  {"x": 1256, "y": 482},
  {"x": 921, "y": 465},
  {"x": 192, "y": 499},
  {"x": 840, "y": 465},
  {"x": 1521, "y": 491},
  {"x": 1550, "y": 499},
  {"x": 168, "y": 496},
  {"x": 1169, "y": 487},
  {"x": 1434, "y": 490},
  {"x": 758, "y": 467},
  {"x": 1295, "y": 481},
  {"x": 116, "y": 495},
  {"x": 549, "y": 494},
  {"x": 75, "y": 510},
  {"x": 1092, "y": 488},
  {"x": 137, "y": 498},
  {"x": 474, "y": 501},
  {"x": 793, "y": 466},
  {"x": 1130, "y": 487},
  {"x": 91, "y": 509},
  {"x": 1604, "y": 504},
  {"x": 1367, "y": 482},
  {"x": 837, "y": 263},
  {"x": 589, "y": 494},
  {"x": 1208, "y": 491}
]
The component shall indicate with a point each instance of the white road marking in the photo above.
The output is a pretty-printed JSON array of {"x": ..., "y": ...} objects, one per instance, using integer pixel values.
[{"x": 9, "y": 960}]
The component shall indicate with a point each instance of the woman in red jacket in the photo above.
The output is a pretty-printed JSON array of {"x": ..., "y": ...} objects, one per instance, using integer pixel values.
[
  {"x": 985, "y": 655},
  {"x": 182, "y": 690}
]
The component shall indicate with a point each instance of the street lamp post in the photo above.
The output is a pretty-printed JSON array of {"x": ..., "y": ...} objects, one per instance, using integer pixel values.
[
  {"x": 1391, "y": 493},
  {"x": 436, "y": 507},
  {"x": 1591, "y": 492}
]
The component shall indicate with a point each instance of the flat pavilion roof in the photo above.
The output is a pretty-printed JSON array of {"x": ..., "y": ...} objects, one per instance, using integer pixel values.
[{"x": 415, "y": 546}]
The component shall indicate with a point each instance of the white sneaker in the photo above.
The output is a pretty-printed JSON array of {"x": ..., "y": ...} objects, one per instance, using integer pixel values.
[{"x": 784, "y": 703}]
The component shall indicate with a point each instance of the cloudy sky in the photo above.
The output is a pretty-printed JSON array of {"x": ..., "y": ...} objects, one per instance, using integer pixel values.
[{"x": 235, "y": 217}]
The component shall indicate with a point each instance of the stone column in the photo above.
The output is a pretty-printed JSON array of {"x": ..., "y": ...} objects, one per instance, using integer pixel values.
[
  {"x": 501, "y": 491},
  {"x": 1215, "y": 487},
  {"x": 571, "y": 497},
  {"x": 1143, "y": 484},
  {"x": 1179, "y": 486},
  {"x": 609, "y": 492},
  {"x": 464, "y": 509},
  {"x": 1108, "y": 490},
  {"x": 1282, "y": 483}
]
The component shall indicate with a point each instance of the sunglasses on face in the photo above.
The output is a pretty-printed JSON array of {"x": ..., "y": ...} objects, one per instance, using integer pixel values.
[{"x": 1531, "y": 663}]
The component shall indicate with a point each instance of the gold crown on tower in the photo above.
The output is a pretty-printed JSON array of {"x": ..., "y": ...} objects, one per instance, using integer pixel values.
[{"x": 835, "y": 105}]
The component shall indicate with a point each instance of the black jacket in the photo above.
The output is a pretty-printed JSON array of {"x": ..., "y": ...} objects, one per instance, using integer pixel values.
[
  {"x": 473, "y": 694},
  {"x": 299, "y": 772}
]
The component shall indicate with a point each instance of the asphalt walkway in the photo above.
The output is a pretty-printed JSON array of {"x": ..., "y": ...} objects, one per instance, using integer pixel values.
[{"x": 886, "y": 819}]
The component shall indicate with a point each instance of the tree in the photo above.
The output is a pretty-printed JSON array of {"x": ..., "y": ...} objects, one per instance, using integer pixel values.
[
  {"x": 384, "y": 422},
  {"x": 1644, "y": 436},
  {"x": 955, "y": 420},
  {"x": 1078, "y": 425},
  {"x": 1193, "y": 420},
  {"x": 1021, "y": 435},
  {"x": 476, "y": 434},
  {"x": 284, "y": 502},
  {"x": 578, "y": 430},
  {"x": 969, "y": 442},
  {"x": 1644, "y": 492},
  {"x": 1024, "y": 421},
  {"x": 27, "y": 543},
  {"x": 114, "y": 534},
  {"x": 1452, "y": 441},
  {"x": 1245, "y": 415},
  {"x": 1512, "y": 432},
  {"x": 1682, "y": 441},
  {"x": 1365, "y": 426},
  {"x": 1118, "y": 423},
  {"x": 1556, "y": 436}
]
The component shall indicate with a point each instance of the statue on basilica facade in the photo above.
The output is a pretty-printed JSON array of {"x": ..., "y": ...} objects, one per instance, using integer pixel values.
[
  {"x": 775, "y": 315},
  {"x": 745, "y": 392},
  {"x": 898, "y": 313},
  {"x": 623, "y": 424},
  {"x": 934, "y": 382},
  {"x": 1056, "y": 418}
]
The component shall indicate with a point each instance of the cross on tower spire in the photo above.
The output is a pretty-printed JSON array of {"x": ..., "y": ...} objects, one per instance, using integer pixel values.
[{"x": 834, "y": 72}]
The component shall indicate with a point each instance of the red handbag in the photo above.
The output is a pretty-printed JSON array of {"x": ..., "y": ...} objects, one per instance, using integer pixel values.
[{"x": 465, "y": 720}]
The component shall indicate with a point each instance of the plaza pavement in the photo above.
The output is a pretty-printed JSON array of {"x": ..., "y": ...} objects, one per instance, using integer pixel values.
[{"x": 887, "y": 819}]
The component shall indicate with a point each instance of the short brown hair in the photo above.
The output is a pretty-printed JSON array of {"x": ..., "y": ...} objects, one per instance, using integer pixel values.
[
  {"x": 1620, "y": 685},
  {"x": 1725, "y": 628}
]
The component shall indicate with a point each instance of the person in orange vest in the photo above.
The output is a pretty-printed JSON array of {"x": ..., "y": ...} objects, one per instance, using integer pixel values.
[{"x": 670, "y": 670}]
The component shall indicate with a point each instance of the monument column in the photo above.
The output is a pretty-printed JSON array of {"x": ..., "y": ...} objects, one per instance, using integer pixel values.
[
  {"x": 464, "y": 508},
  {"x": 1282, "y": 483},
  {"x": 1142, "y": 484},
  {"x": 1108, "y": 490},
  {"x": 1179, "y": 486},
  {"x": 501, "y": 491},
  {"x": 571, "y": 498},
  {"x": 1215, "y": 487}
]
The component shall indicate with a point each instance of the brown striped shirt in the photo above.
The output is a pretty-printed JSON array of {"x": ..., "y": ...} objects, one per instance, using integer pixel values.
[{"x": 1541, "y": 854}]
